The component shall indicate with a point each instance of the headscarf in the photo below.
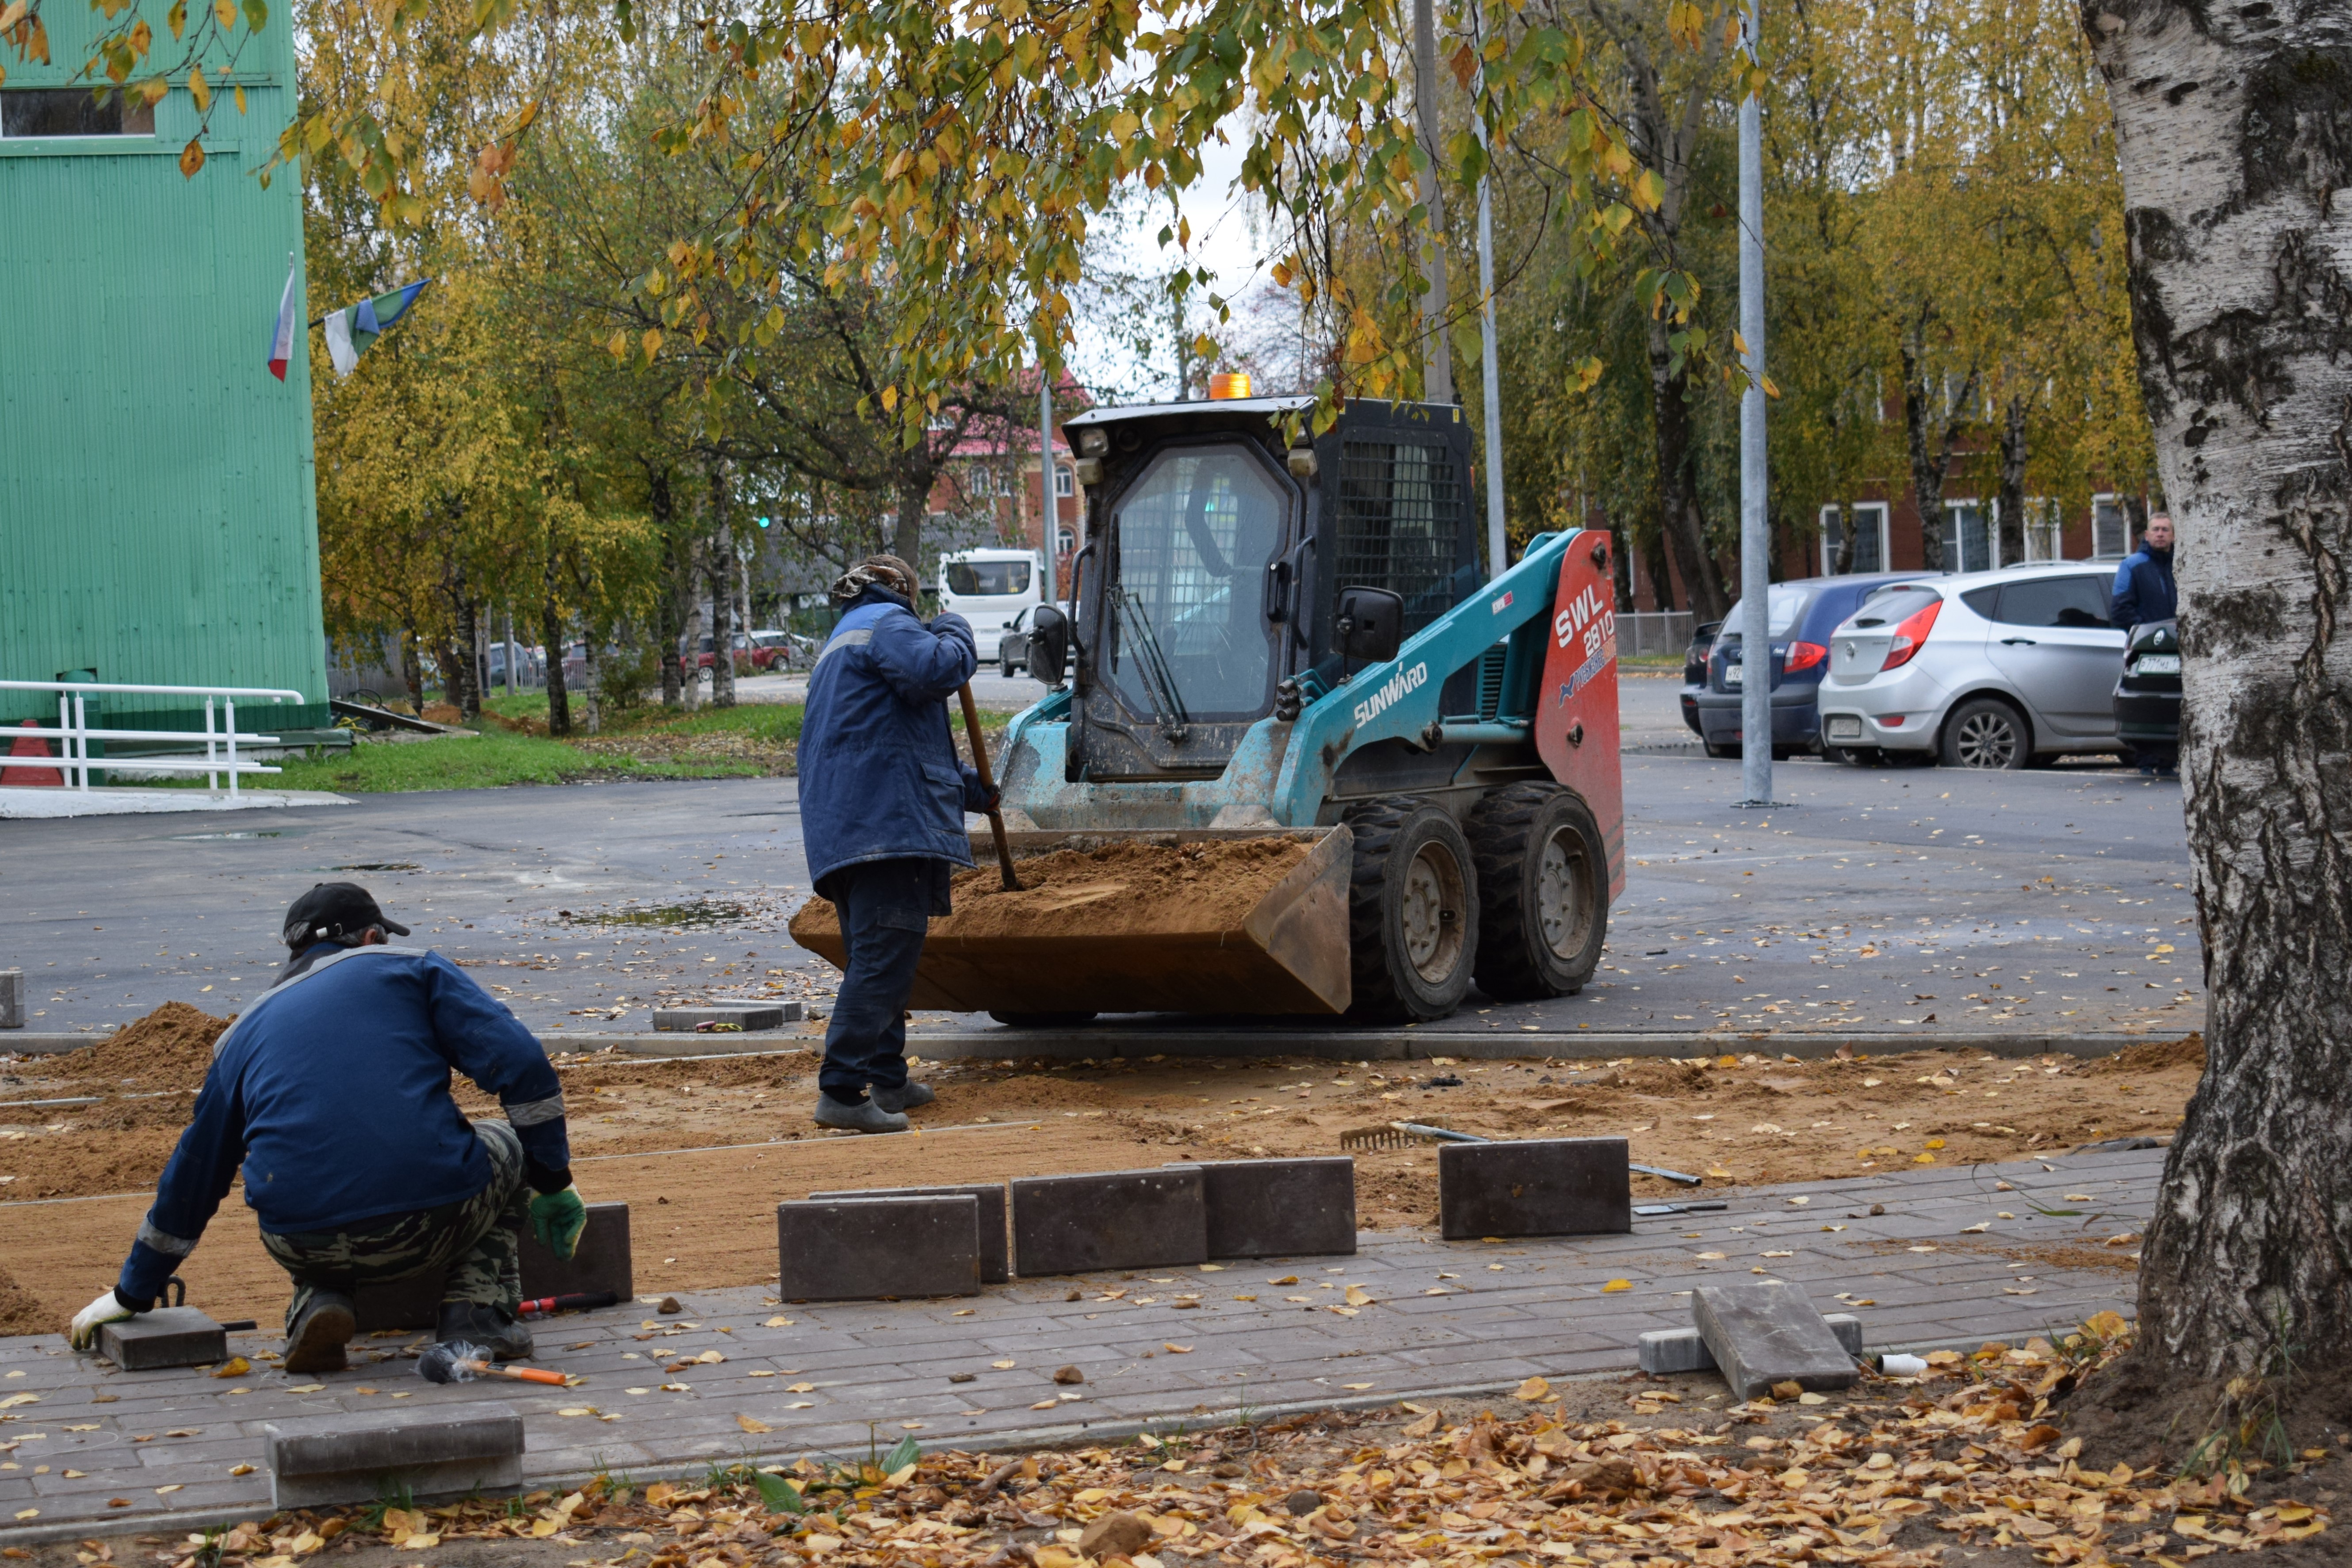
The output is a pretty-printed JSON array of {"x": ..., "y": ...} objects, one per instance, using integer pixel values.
[{"x": 876, "y": 570}]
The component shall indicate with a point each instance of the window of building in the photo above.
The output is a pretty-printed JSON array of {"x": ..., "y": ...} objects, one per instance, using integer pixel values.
[
  {"x": 1065, "y": 540},
  {"x": 1870, "y": 538},
  {"x": 73, "y": 111},
  {"x": 1969, "y": 542},
  {"x": 1066, "y": 483},
  {"x": 2110, "y": 529},
  {"x": 2045, "y": 530}
]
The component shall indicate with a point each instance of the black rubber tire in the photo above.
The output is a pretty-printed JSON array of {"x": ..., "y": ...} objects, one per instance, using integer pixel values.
[
  {"x": 1041, "y": 1020},
  {"x": 1389, "y": 987},
  {"x": 1986, "y": 732},
  {"x": 1722, "y": 753},
  {"x": 1006, "y": 668},
  {"x": 1512, "y": 832}
]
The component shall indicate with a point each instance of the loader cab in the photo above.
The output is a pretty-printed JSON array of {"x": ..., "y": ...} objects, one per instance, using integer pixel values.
[{"x": 1214, "y": 554}]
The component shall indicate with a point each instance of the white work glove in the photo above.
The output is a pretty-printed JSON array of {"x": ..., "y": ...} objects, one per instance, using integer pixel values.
[{"x": 107, "y": 1309}]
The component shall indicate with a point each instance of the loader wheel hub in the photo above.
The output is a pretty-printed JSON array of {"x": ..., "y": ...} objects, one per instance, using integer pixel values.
[
  {"x": 1559, "y": 900},
  {"x": 1433, "y": 914}
]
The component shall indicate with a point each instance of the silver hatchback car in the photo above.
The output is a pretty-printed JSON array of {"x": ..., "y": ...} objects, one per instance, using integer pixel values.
[{"x": 1980, "y": 669}]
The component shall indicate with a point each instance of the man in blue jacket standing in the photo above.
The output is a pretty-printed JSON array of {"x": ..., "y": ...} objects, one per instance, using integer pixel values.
[
  {"x": 882, "y": 796},
  {"x": 2144, "y": 590},
  {"x": 333, "y": 1092}
]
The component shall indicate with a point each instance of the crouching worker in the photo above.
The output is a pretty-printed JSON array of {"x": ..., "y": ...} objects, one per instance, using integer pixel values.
[
  {"x": 882, "y": 799},
  {"x": 333, "y": 1090}
]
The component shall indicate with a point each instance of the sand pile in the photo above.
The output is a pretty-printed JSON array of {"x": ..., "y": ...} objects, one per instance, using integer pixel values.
[
  {"x": 20, "y": 1312},
  {"x": 169, "y": 1049},
  {"x": 1123, "y": 889}
]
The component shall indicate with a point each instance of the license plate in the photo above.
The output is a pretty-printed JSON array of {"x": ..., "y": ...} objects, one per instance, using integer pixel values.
[
  {"x": 1846, "y": 729},
  {"x": 2158, "y": 664},
  {"x": 1731, "y": 676}
]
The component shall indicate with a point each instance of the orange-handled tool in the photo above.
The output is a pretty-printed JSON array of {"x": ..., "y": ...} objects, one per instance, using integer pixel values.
[{"x": 988, "y": 782}]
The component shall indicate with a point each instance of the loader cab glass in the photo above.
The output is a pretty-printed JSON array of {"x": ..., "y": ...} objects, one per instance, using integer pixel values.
[{"x": 1189, "y": 639}]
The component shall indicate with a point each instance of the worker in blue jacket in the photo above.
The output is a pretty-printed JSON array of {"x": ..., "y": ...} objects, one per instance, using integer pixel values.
[
  {"x": 2144, "y": 590},
  {"x": 882, "y": 797},
  {"x": 333, "y": 1092}
]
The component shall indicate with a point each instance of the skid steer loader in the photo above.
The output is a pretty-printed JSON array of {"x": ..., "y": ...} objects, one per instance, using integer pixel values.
[{"x": 1294, "y": 641}]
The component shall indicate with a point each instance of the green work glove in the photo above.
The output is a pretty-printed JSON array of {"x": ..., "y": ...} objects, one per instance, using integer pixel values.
[{"x": 557, "y": 1219}]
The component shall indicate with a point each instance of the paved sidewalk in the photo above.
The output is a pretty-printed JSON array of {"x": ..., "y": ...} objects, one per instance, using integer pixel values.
[{"x": 1445, "y": 1317}]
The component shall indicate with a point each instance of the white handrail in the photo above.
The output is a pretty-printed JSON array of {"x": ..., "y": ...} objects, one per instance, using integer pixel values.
[{"x": 73, "y": 728}]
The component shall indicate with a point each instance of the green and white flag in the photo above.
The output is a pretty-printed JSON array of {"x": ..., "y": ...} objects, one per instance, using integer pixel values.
[{"x": 352, "y": 328}]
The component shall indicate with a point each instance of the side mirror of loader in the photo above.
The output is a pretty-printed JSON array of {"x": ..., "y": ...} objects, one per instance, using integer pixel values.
[
  {"x": 1049, "y": 644},
  {"x": 1370, "y": 625}
]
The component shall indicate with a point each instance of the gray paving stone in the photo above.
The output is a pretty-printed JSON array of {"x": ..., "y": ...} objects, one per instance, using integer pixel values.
[
  {"x": 1117, "y": 1219},
  {"x": 750, "y": 1016},
  {"x": 168, "y": 1336},
  {"x": 1277, "y": 1208},
  {"x": 1665, "y": 1351},
  {"x": 1543, "y": 1186},
  {"x": 995, "y": 1235},
  {"x": 321, "y": 1459},
  {"x": 1763, "y": 1334},
  {"x": 861, "y": 1248}
]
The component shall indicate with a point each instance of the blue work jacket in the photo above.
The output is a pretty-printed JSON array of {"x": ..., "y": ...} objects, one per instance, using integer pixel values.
[
  {"x": 2144, "y": 590},
  {"x": 333, "y": 1092},
  {"x": 879, "y": 777}
]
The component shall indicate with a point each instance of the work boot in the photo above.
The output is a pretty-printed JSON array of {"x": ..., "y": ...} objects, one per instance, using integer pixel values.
[
  {"x": 905, "y": 1098},
  {"x": 321, "y": 1329},
  {"x": 865, "y": 1116},
  {"x": 493, "y": 1330}
]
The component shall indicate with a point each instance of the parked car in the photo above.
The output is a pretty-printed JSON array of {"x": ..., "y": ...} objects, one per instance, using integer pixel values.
[
  {"x": 774, "y": 651},
  {"x": 749, "y": 653},
  {"x": 1799, "y": 615},
  {"x": 1012, "y": 651},
  {"x": 1695, "y": 672},
  {"x": 1983, "y": 669},
  {"x": 2147, "y": 695}
]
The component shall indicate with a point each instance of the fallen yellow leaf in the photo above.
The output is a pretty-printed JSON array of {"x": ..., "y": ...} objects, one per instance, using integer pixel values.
[
  {"x": 235, "y": 1366},
  {"x": 1616, "y": 1285},
  {"x": 752, "y": 1423},
  {"x": 1358, "y": 1296},
  {"x": 1535, "y": 1388}
]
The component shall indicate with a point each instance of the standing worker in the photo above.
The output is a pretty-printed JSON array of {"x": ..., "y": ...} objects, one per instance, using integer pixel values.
[
  {"x": 882, "y": 796},
  {"x": 333, "y": 1090}
]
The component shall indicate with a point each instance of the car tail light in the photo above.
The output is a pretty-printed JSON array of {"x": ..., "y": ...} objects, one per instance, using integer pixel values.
[
  {"x": 1803, "y": 656},
  {"x": 1911, "y": 632}
]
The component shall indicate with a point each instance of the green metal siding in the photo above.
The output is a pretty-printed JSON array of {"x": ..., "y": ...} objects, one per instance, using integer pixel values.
[{"x": 158, "y": 520}]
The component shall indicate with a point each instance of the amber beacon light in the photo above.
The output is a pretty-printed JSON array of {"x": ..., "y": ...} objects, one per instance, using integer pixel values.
[{"x": 1229, "y": 383}]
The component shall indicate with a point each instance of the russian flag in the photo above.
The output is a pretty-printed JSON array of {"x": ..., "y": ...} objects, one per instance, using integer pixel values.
[{"x": 282, "y": 342}]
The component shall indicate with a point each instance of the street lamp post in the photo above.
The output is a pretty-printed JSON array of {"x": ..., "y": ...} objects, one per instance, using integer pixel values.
[{"x": 1755, "y": 521}]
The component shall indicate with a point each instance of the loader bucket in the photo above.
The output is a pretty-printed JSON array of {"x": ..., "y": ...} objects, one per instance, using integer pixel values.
[{"x": 1211, "y": 920}]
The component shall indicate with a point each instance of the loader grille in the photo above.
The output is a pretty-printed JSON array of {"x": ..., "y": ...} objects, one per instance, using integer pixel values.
[
  {"x": 1400, "y": 513},
  {"x": 1490, "y": 682}
]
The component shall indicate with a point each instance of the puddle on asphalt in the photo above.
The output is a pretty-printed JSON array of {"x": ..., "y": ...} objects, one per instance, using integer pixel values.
[
  {"x": 378, "y": 866},
  {"x": 248, "y": 833},
  {"x": 704, "y": 913}
]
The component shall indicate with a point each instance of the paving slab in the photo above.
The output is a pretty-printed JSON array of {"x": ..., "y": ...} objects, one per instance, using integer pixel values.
[
  {"x": 1536, "y": 1186},
  {"x": 995, "y": 1256},
  {"x": 1206, "y": 1343},
  {"x": 1768, "y": 1333},
  {"x": 169, "y": 1336},
  {"x": 1280, "y": 1208},
  {"x": 1114, "y": 1219},
  {"x": 845, "y": 1250}
]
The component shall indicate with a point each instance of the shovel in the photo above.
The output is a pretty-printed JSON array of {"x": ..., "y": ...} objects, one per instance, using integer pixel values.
[{"x": 988, "y": 782}]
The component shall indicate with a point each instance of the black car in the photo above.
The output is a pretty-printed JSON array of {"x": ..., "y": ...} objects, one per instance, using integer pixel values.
[
  {"x": 1802, "y": 615},
  {"x": 1695, "y": 672},
  {"x": 2147, "y": 696}
]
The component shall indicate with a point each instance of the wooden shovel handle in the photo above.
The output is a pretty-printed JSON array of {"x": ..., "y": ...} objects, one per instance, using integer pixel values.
[{"x": 988, "y": 782}]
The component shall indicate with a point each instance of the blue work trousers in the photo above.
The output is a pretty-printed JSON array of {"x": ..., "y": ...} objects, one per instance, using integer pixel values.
[{"x": 885, "y": 907}]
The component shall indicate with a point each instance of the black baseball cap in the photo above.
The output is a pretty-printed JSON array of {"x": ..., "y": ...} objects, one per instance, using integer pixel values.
[{"x": 331, "y": 911}]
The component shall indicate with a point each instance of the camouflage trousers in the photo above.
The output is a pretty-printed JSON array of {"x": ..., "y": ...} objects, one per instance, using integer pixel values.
[{"x": 476, "y": 1239}]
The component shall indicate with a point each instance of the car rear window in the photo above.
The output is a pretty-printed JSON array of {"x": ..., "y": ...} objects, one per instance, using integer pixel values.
[
  {"x": 2054, "y": 602},
  {"x": 1783, "y": 608},
  {"x": 1889, "y": 606}
]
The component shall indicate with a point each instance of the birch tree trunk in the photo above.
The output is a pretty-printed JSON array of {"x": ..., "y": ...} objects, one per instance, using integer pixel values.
[{"x": 2234, "y": 128}]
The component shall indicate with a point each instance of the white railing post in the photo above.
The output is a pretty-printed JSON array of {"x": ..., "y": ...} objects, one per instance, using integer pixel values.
[
  {"x": 81, "y": 728},
  {"x": 212, "y": 778},
  {"x": 230, "y": 703},
  {"x": 74, "y": 733}
]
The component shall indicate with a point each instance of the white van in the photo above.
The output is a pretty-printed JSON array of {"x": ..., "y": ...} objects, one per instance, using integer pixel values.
[{"x": 989, "y": 588}]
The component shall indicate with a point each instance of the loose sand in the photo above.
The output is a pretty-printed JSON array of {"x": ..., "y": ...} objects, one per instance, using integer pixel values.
[{"x": 669, "y": 1137}]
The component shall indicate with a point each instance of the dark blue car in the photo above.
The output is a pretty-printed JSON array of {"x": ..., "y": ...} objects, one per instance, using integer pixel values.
[{"x": 1801, "y": 616}]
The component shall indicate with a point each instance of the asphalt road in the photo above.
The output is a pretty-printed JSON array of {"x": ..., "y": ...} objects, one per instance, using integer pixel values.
[{"x": 1923, "y": 899}]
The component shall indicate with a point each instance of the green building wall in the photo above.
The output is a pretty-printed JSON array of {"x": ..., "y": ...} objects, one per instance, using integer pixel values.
[{"x": 158, "y": 520}]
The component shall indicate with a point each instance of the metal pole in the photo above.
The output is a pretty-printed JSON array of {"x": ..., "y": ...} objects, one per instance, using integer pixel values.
[
  {"x": 1048, "y": 522},
  {"x": 1436, "y": 361},
  {"x": 1498, "y": 548},
  {"x": 1755, "y": 521},
  {"x": 229, "y": 712}
]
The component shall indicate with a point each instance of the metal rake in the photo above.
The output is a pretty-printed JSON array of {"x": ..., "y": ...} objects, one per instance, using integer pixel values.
[{"x": 1406, "y": 1134}]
